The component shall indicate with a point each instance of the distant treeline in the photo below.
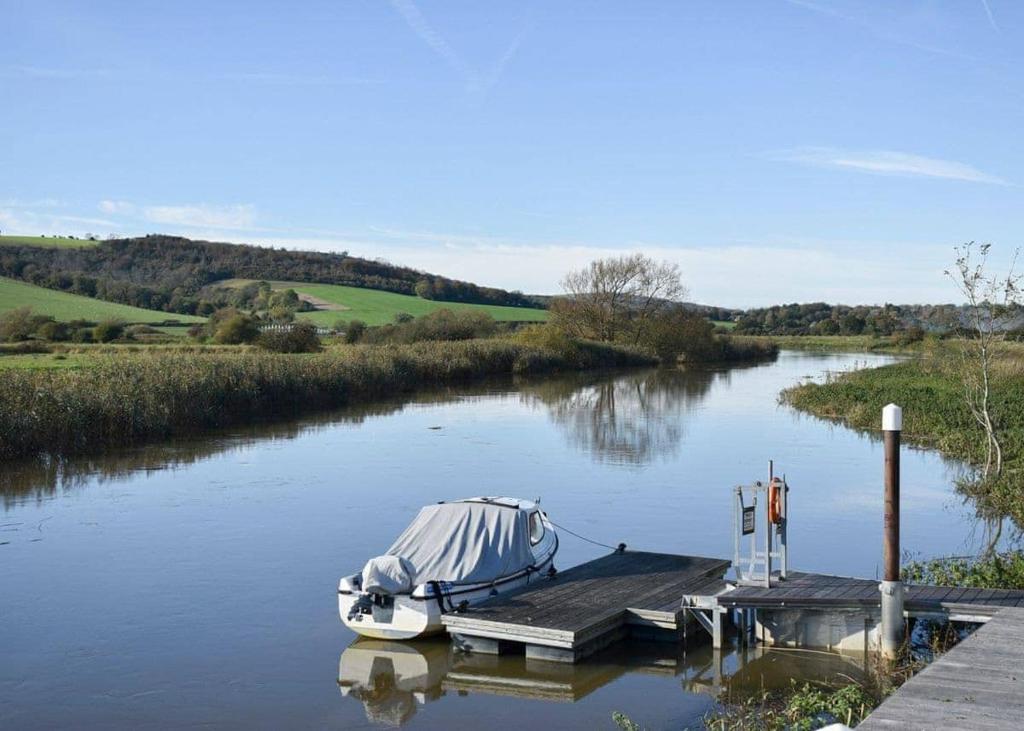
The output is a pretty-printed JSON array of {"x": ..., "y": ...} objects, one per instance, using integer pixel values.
[
  {"x": 175, "y": 274},
  {"x": 819, "y": 318}
]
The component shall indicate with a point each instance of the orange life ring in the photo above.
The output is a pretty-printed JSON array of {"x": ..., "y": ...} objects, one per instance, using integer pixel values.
[{"x": 775, "y": 488}]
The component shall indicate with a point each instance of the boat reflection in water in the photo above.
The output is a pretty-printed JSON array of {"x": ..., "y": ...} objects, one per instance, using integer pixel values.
[{"x": 392, "y": 679}]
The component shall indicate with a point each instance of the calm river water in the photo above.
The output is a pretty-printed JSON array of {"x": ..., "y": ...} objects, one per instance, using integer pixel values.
[{"x": 193, "y": 584}]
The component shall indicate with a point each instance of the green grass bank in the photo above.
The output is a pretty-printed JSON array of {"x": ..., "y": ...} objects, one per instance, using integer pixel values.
[
  {"x": 929, "y": 388},
  {"x": 135, "y": 397}
]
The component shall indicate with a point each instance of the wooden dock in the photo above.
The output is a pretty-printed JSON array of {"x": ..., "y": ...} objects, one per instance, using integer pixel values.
[
  {"x": 588, "y": 607},
  {"x": 823, "y": 591},
  {"x": 979, "y": 684},
  {"x": 658, "y": 596}
]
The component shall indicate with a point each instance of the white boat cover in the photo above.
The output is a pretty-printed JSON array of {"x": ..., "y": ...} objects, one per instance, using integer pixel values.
[
  {"x": 465, "y": 542},
  {"x": 387, "y": 575}
]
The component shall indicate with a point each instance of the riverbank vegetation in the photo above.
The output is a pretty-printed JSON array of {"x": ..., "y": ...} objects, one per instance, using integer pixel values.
[
  {"x": 996, "y": 571},
  {"x": 801, "y": 708},
  {"x": 930, "y": 389},
  {"x": 910, "y": 342},
  {"x": 133, "y": 397}
]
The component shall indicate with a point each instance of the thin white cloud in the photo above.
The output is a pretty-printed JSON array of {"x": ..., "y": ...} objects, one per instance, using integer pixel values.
[
  {"x": 475, "y": 81},
  {"x": 112, "y": 207},
  {"x": 419, "y": 25},
  {"x": 236, "y": 218},
  {"x": 273, "y": 78},
  {"x": 991, "y": 18},
  {"x": 886, "y": 162},
  {"x": 891, "y": 22},
  {"x": 39, "y": 221},
  {"x": 43, "y": 72},
  {"x": 30, "y": 203}
]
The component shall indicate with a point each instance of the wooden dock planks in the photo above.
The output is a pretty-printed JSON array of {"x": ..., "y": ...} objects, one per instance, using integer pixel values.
[
  {"x": 587, "y": 605},
  {"x": 840, "y": 592},
  {"x": 592, "y": 605},
  {"x": 979, "y": 684}
]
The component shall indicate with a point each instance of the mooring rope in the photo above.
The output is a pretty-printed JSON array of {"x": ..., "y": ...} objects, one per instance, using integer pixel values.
[{"x": 621, "y": 547}]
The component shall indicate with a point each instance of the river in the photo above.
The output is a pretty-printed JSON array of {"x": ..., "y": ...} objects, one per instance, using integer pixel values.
[{"x": 193, "y": 583}]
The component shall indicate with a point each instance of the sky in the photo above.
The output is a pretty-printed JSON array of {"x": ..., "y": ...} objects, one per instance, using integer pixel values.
[{"x": 777, "y": 150}]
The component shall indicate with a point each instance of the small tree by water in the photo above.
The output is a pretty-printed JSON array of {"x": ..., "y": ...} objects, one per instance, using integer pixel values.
[{"x": 993, "y": 302}]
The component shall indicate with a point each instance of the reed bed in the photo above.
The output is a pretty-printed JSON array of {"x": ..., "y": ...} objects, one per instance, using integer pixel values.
[{"x": 131, "y": 398}]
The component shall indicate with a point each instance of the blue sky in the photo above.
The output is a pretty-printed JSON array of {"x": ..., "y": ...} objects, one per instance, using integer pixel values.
[{"x": 779, "y": 151}]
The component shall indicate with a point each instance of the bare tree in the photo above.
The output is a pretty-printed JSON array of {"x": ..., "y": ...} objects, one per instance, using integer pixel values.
[
  {"x": 992, "y": 305},
  {"x": 991, "y": 302},
  {"x": 615, "y": 299}
]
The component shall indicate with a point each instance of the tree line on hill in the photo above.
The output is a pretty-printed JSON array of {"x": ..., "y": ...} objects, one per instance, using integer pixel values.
[
  {"x": 175, "y": 274},
  {"x": 819, "y": 318}
]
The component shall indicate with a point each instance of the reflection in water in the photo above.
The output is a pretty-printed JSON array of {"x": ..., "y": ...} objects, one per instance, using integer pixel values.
[
  {"x": 629, "y": 419},
  {"x": 391, "y": 679},
  {"x": 626, "y": 419}
]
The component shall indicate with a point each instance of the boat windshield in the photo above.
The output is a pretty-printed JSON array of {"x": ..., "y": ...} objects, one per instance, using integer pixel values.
[{"x": 536, "y": 528}]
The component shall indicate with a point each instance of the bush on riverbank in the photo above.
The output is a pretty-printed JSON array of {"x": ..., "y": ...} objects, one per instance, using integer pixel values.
[
  {"x": 132, "y": 397},
  {"x": 1000, "y": 571},
  {"x": 440, "y": 325},
  {"x": 731, "y": 349},
  {"x": 802, "y": 707},
  {"x": 301, "y": 337}
]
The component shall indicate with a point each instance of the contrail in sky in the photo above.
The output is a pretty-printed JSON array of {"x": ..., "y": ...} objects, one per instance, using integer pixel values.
[{"x": 991, "y": 18}]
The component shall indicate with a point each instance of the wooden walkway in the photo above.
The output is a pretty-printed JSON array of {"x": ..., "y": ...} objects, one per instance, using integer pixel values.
[
  {"x": 822, "y": 591},
  {"x": 587, "y": 607},
  {"x": 979, "y": 684}
]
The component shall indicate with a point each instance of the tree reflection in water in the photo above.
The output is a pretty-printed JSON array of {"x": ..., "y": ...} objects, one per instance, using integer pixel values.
[{"x": 628, "y": 419}]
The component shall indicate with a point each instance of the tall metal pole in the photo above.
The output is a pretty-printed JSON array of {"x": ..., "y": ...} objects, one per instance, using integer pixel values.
[{"x": 891, "y": 587}]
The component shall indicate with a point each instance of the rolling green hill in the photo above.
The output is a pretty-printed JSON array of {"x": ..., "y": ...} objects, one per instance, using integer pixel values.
[
  {"x": 376, "y": 307},
  {"x": 65, "y": 307},
  {"x": 50, "y": 242}
]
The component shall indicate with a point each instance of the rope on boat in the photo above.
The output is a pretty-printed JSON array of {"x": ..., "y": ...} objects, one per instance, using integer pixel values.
[{"x": 618, "y": 549}]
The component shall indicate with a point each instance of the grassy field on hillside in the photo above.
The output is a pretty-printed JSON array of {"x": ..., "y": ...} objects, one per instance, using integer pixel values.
[
  {"x": 47, "y": 241},
  {"x": 375, "y": 307},
  {"x": 65, "y": 307}
]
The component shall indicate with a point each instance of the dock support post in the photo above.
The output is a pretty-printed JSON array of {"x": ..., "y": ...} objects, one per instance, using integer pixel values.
[{"x": 891, "y": 587}]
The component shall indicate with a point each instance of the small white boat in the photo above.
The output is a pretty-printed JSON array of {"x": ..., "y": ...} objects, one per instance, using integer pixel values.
[{"x": 453, "y": 555}]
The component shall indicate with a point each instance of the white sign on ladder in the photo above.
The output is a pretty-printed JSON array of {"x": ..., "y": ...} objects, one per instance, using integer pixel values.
[{"x": 767, "y": 559}]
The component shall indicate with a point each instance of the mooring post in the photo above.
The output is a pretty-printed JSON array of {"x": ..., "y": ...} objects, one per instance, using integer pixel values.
[{"x": 892, "y": 587}]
